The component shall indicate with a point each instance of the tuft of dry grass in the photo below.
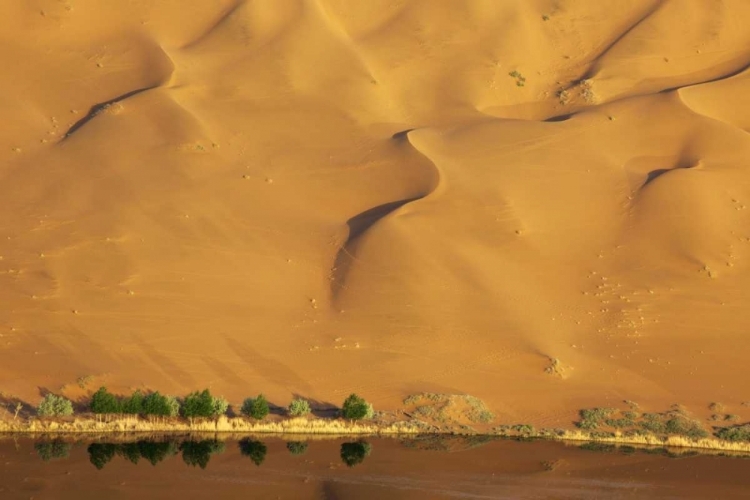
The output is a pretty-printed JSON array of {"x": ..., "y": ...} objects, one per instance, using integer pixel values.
[{"x": 84, "y": 381}]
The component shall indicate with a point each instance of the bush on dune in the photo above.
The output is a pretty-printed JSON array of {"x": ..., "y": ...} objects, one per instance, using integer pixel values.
[
  {"x": 356, "y": 408},
  {"x": 256, "y": 408},
  {"x": 55, "y": 406}
]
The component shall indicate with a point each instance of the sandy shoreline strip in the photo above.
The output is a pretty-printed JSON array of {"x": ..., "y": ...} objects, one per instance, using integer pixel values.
[{"x": 303, "y": 426}]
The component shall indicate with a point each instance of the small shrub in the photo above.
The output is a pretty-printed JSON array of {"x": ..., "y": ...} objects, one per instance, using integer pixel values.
[
  {"x": 354, "y": 453},
  {"x": 296, "y": 447},
  {"x": 256, "y": 408},
  {"x": 174, "y": 406},
  {"x": 619, "y": 423},
  {"x": 652, "y": 422},
  {"x": 299, "y": 407},
  {"x": 255, "y": 450},
  {"x": 526, "y": 429},
  {"x": 356, "y": 408},
  {"x": 716, "y": 407},
  {"x": 83, "y": 381},
  {"x": 219, "y": 406},
  {"x": 55, "y": 406},
  {"x": 685, "y": 427},
  {"x": 103, "y": 402},
  {"x": 591, "y": 418}
]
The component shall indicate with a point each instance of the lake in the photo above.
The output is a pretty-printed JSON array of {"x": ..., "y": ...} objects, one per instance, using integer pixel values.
[{"x": 295, "y": 467}]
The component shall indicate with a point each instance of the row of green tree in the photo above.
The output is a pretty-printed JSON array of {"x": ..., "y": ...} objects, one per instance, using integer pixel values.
[
  {"x": 198, "y": 404},
  {"x": 195, "y": 453}
]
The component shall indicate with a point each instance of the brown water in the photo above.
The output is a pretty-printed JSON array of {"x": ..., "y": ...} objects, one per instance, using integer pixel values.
[{"x": 430, "y": 468}]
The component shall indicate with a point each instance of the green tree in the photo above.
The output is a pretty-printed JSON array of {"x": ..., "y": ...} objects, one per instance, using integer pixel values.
[
  {"x": 256, "y": 408},
  {"x": 354, "y": 453},
  {"x": 255, "y": 450},
  {"x": 161, "y": 406},
  {"x": 155, "y": 404},
  {"x": 198, "y": 404},
  {"x": 100, "y": 454},
  {"x": 296, "y": 447},
  {"x": 356, "y": 408},
  {"x": 54, "y": 406},
  {"x": 134, "y": 404},
  {"x": 105, "y": 403},
  {"x": 299, "y": 408}
]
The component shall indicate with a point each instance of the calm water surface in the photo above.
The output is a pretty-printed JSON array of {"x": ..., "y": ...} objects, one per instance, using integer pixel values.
[{"x": 299, "y": 468}]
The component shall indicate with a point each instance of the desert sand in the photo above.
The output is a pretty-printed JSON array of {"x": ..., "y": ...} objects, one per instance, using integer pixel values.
[{"x": 540, "y": 203}]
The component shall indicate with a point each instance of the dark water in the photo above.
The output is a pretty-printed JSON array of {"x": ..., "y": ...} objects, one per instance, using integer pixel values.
[{"x": 348, "y": 468}]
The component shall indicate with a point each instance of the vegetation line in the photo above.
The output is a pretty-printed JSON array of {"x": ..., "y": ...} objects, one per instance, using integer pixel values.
[{"x": 428, "y": 413}]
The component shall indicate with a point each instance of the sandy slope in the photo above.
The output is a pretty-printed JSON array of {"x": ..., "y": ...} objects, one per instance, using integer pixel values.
[{"x": 322, "y": 196}]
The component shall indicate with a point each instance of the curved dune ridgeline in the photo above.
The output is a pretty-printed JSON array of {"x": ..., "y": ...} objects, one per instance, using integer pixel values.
[{"x": 543, "y": 204}]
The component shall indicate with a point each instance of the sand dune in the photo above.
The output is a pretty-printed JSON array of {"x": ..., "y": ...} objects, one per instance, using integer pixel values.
[{"x": 317, "y": 197}]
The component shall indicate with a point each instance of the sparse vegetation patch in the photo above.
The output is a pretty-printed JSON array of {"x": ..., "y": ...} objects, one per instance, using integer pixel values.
[
  {"x": 520, "y": 79},
  {"x": 449, "y": 408}
]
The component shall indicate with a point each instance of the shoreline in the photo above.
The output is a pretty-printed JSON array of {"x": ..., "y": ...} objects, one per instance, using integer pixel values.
[{"x": 321, "y": 428}]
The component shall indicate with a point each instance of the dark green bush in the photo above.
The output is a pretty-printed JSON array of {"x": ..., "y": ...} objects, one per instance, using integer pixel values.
[
  {"x": 356, "y": 408},
  {"x": 256, "y": 408},
  {"x": 103, "y": 402},
  {"x": 736, "y": 433},
  {"x": 592, "y": 418},
  {"x": 161, "y": 406},
  {"x": 134, "y": 404},
  {"x": 198, "y": 404}
]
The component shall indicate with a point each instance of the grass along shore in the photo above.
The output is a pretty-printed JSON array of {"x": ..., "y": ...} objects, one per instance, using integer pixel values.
[
  {"x": 222, "y": 424},
  {"x": 338, "y": 427}
]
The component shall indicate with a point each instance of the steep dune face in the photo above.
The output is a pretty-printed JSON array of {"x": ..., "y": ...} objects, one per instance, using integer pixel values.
[{"x": 320, "y": 197}]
